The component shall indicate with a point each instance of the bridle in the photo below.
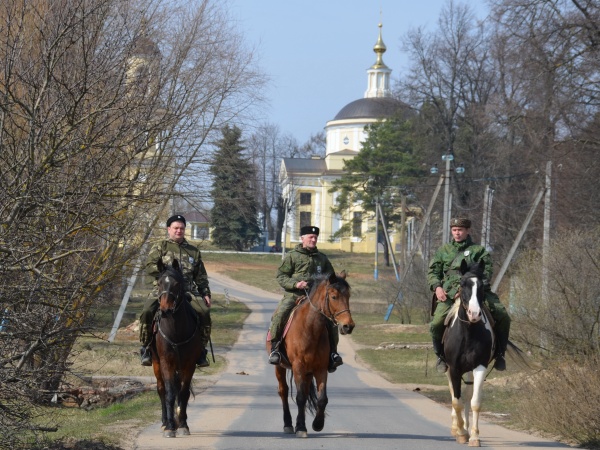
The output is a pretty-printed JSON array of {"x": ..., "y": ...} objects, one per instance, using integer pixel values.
[
  {"x": 329, "y": 315},
  {"x": 168, "y": 293},
  {"x": 464, "y": 306},
  {"x": 177, "y": 303}
]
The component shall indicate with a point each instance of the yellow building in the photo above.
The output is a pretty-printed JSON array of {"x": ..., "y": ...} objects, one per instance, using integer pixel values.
[{"x": 305, "y": 182}]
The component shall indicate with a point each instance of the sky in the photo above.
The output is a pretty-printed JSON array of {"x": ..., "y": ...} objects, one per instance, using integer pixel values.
[{"x": 317, "y": 52}]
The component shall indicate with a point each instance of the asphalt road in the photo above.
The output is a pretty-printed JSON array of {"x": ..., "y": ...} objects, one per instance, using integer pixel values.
[{"x": 242, "y": 410}]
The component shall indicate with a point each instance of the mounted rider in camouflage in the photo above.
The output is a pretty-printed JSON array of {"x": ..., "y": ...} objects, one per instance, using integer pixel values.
[
  {"x": 197, "y": 289},
  {"x": 298, "y": 269},
  {"x": 444, "y": 277}
]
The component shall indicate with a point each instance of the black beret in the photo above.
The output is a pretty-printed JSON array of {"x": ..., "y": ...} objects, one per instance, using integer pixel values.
[
  {"x": 460, "y": 222},
  {"x": 176, "y": 218},
  {"x": 309, "y": 230}
]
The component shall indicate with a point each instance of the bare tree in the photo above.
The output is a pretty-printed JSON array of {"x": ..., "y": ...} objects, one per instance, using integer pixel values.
[
  {"x": 450, "y": 82},
  {"x": 104, "y": 105}
]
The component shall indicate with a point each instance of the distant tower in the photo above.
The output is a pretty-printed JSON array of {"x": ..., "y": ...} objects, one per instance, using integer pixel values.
[
  {"x": 379, "y": 73},
  {"x": 346, "y": 132}
]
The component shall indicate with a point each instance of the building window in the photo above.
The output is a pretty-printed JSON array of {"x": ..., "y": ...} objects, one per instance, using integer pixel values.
[
  {"x": 305, "y": 198},
  {"x": 357, "y": 224},
  {"x": 199, "y": 232},
  {"x": 305, "y": 219}
]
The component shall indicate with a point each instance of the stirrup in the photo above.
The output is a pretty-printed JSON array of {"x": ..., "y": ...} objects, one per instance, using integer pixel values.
[
  {"x": 275, "y": 357},
  {"x": 146, "y": 356},
  {"x": 500, "y": 363},
  {"x": 335, "y": 360},
  {"x": 203, "y": 359},
  {"x": 441, "y": 365}
]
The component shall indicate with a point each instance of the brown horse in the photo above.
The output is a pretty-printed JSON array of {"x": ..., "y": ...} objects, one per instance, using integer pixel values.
[
  {"x": 175, "y": 349},
  {"x": 306, "y": 345}
]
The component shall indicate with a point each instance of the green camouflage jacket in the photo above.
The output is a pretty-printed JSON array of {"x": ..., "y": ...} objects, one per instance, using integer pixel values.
[
  {"x": 444, "y": 267},
  {"x": 302, "y": 264},
  {"x": 189, "y": 259}
]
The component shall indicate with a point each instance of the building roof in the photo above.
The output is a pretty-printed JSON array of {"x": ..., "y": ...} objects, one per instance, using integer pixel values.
[
  {"x": 370, "y": 108},
  {"x": 195, "y": 216},
  {"x": 304, "y": 165}
]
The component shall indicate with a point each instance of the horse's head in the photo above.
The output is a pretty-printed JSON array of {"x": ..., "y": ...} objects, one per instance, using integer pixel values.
[
  {"x": 471, "y": 289},
  {"x": 332, "y": 293},
  {"x": 171, "y": 286}
]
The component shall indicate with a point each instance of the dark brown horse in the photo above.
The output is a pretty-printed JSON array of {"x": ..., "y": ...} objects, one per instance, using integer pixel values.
[
  {"x": 306, "y": 345},
  {"x": 175, "y": 349}
]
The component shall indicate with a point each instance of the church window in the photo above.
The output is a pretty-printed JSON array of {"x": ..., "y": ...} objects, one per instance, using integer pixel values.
[
  {"x": 305, "y": 219},
  {"x": 305, "y": 198},
  {"x": 357, "y": 224}
]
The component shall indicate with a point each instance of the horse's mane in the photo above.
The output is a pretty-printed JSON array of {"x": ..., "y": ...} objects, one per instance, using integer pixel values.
[
  {"x": 474, "y": 270},
  {"x": 340, "y": 284},
  {"x": 175, "y": 272}
]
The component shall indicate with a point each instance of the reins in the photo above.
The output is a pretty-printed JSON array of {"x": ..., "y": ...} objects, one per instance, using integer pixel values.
[
  {"x": 484, "y": 319},
  {"x": 169, "y": 341},
  {"x": 177, "y": 304}
]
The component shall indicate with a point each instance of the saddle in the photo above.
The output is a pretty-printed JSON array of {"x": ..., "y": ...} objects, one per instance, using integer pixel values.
[{"x": 284, "y": 359}]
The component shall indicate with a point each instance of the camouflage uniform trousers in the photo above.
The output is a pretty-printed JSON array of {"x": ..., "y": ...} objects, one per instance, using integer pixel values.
[
  {"x": 281, "y": 315},
  {"x": 497, "y": 309},
  {"x": 151, "y": 306}
]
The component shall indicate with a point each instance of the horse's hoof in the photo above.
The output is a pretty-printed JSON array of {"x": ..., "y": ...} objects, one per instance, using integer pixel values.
[
  {"x": 185, "y": 431},
  {"x": 462, "y": 438},
  {"x": 170, "y": 433},
  {"x": 318, "y": 425},
  {"x": 288, "y": 430},
  {"x": 474, "y": 443},
  {"x": 301, "y": 434}
]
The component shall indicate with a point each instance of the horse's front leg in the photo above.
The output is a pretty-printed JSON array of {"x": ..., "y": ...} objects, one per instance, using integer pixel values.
[
  {"x": 302, "y": 388},
  {"x": 458, "y": 424},
  {"x": 322, "y": 400},
  {"x": 170, "y": 397},
  {"x": 283, "y": 391},
  {"x": 160, "y": 389},
  {"x": 478, "y": 379},
  {"x": 467, "y": 395},
  {"x": 182, "y": 401}
]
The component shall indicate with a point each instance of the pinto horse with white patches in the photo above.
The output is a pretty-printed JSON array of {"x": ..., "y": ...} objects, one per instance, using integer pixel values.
[{"x": 468, "y": 347}]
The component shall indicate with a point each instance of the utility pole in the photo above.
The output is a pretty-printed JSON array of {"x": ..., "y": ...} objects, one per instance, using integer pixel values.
[
  {"x": 448, "y": 157},
  {"x": 387, "y": 239},
  {"x": 487, "y": 213},
  {"x": 376, "y": 269},
  {"x": 446, "y": 222},
  {"x": 284, "y": 231},
  {"x": 536, "y": 202},
  {"x": 546, "y": 239}
]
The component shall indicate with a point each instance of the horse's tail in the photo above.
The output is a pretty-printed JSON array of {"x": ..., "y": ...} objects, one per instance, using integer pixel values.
[
  {"x": 312, "y": 397},
  {"x": 311, "y": 402},
  {"x": 518, "y": 356}
]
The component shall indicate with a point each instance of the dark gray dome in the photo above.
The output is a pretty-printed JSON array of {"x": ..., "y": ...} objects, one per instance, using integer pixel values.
[{"x": 370, "y": 108}]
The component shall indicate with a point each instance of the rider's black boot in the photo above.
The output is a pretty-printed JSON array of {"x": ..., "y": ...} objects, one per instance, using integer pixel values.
[
  {"x": 275, "y": 356},
  {"x": 438, "y": 349}
]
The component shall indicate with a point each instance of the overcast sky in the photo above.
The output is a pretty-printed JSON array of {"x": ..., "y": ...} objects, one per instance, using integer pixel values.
[{"x": 317, "y": 52}]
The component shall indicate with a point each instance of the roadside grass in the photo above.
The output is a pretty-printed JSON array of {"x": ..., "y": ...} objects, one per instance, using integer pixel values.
[{"x": 101, "y": 428}]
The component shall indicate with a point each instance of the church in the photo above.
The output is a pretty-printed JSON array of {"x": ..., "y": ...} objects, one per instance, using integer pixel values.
[{"x": 305, "y": 182}]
